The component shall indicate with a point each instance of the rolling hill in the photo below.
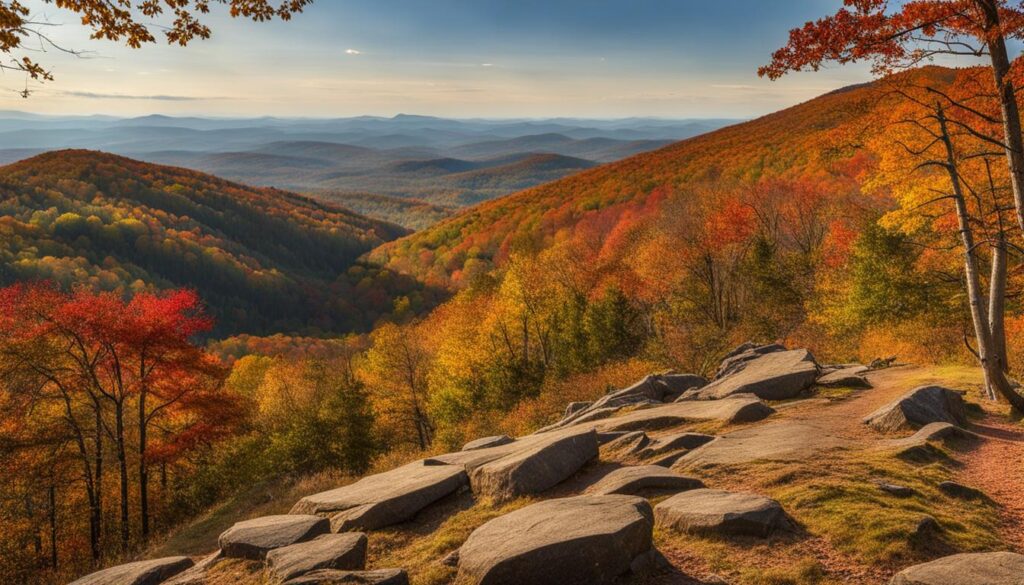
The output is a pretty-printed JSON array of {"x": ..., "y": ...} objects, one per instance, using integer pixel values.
[
  {"x": 418, "y": 157},
  {"x": 263, "y": 259},
  {"x": 813, "y": 139}
]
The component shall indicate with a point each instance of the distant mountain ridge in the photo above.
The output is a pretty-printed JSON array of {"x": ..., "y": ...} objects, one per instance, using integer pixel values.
[{"x": 412, "y": 156}]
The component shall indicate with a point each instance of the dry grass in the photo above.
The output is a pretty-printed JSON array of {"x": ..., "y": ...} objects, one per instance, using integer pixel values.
[
  {"x": 851, "y": 531},
  {"x": 419, "y": 548}
]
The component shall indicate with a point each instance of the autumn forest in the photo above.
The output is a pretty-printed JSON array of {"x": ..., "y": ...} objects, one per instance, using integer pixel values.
[{"x": 175, "y": 345}]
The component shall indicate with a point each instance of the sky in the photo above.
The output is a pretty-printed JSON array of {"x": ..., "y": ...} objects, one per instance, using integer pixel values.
[{"x": 453, "y": 58}]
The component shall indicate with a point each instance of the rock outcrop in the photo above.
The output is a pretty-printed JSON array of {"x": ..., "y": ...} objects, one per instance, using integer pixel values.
[
  {"x": 849, "y": 377},
  {"x": 488, "y": 442},
  {"x": 584, "y": 540},
  {"x": 721, "y": 512},
  {"x": 541, "y": 466},
  {"x": 741, "y": 408},
  {"x": 386, "y": 498},
  {"x": 768, "y": 372},
  {"x": 652, "y": 389},
  {"x": 643, "y": 479},
  {"x": 775, "y": 441},
  {"x": 330, "y": 551},
  {"x": 997, "y": 568},
  {"x": 253, "y": 539},
  {"x": 138, "y": 573},
  {"x": 919, "y": 407}
]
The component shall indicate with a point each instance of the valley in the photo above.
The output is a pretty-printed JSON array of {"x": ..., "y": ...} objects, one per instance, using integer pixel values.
[{"x": 424, "y": 168}]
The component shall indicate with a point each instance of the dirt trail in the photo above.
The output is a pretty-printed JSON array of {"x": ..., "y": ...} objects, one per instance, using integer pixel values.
[{"x": 996, "y": 467}]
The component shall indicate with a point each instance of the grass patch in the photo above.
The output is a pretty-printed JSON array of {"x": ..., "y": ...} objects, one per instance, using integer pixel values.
[
  {"x": 420, "y": 554},
  {"x": 199, "y": 536},
  {"x": 854, "y": 532}
]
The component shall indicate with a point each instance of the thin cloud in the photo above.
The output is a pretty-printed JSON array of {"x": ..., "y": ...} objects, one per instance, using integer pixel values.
[
  {"x": 123, "y": 96},
  {"x": 353, "y": 52}
]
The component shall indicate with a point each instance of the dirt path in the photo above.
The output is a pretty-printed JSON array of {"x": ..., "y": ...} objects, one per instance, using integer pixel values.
[{"x": 996, "y": 467}]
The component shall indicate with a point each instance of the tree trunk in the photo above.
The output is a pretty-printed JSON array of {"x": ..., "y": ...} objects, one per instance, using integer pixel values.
[
  {"x": 143, "y": 469},
  {"x": 1013, "y": 141},
  {"x": 997, "y": 303},
  {"x": 995, "y": 379},
  {"x": 122, "y": 464},
  {"x": 96, "y": 498}
]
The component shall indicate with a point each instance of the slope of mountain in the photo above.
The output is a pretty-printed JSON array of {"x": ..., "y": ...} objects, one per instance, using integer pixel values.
[
  {"x": 806, "y": 140},
  {"x": 263, "y": 259}
]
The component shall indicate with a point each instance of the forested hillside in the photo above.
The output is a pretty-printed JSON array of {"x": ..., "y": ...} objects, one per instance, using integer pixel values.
[
  {"x": 262, "y": 259},
  {"x": 802, "y": 142},
  {"x": 781, "y": 228}
]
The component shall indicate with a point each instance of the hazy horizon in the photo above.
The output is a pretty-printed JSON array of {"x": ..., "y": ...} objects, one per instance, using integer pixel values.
[{"x": 455, "y": 59}]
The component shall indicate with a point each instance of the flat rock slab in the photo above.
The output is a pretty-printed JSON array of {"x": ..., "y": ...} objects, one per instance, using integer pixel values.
[
  {"x": 784, "y": 440},
  {"x": 253, "y": 539},
  {"x": 386, "y": 498},
  {"x": 584, "y": 540},
  {"x": 138, "y": 573},
  {"x": 649, "y": 390},
  {"x": 778, "y": 375},
  {"x": 196, "y": 575},
  {"x": 330, "y": 551},
  {"x": 721, "y": 512},
  {"x": 335, "y": 577},
  {"x": 851, "y": 377},
  {"x": 536, "y": 469},
  {"x": 998, "y": 568},
  {"x": 487, "y": 442},
  {"x": 919, "y": 407},
  {"x": 670, "y": 443},
  {"x": 679, "y": 383},
  {"x": 735, "y": 409},
  {"x": 634, "y": 480}
]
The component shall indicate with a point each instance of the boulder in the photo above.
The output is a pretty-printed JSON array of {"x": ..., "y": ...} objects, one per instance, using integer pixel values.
[
  {"x": 741, "y": 408},
  {"x": 647, "y": 391},
  {"x": 897, "y": 490},
  {"x": 629, "y": 443},
  {"x": 329, "y": 551},
  {"x": 584, "y": 540},
  {"x": 960, "y": 491},
  {"x": 634, "y": 480},
  {"x": 783, "y": 440},
  {"x": 919, "y": 407},
  {"x": 852, "y": 377},
  {"x": 196, "y": 575},
  {"x": 675, "y": 443},
  {"x": 574, "y": 407},
  {"x": 773, "y": 375},
  {"x": 995, "y": 568},
  {"x": 486, "y": 442},
  {"x": 336, "y": 577},
  {"x": 679, "y": 383},
  {"x": 722, "y": 512},
  {"x": 253, "y": 539},
  {"x": 535, "y": 469},
  {"x": 138, "y": 573},
  {"x": 939, "y": 431},
  {"x": 735, "y": 359},
  {"x": 386, "y": 498}
]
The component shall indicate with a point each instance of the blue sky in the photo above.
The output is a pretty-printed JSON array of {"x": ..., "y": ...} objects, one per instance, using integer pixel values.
[{"x": 459, "y": 58}]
